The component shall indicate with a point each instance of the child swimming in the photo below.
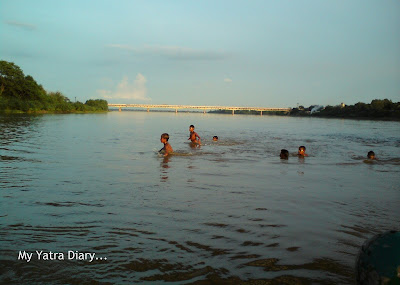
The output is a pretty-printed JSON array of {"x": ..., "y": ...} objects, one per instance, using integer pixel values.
[
  {"x": 284, "y": 154},
  {"x": 193, "y": 135},
  {"x": 215, "y": 138},
  {"x": 167, "y": 149},
  {"x": 371, "y": 155},
  {"x": 302, "y": 151}
]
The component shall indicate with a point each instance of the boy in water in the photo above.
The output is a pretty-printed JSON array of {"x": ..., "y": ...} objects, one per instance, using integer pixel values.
[
  {"x": 193, "y": 135},
  {"x": 215, "y": 138},
  {"x": 284, "y": 154},
  {"x": 167, "y": 149},
  {"x": 371, "y": 155},
  {"x": 302, "y": 151}
]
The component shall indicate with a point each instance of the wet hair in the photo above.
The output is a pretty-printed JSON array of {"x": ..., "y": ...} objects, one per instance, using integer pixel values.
[
  {"x": 284, "y": 154},
  {"x": 191, "y": 126},
  {"x": 165, "y": 136},
  {"x": 371, "y": 154},
  {"x": 215, "y": 137},
  {"x": 300, "y": 147}
]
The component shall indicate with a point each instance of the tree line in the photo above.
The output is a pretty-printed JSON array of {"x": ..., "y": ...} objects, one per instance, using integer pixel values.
[
  {"x": 377, "y": 109},
  {"x": 20, "y": 92}
]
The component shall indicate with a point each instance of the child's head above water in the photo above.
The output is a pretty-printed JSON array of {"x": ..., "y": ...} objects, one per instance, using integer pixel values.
[
  {"x": 302, "y": 150},
  {"x": 191, "y": 127},
  {"x": 167, "y": 149},
  {"x": 284, "y": 154},
  {"x": 165, "y": 136},
  {"x": 371, "y": 154},
  {"x": 215, "y": 138}
]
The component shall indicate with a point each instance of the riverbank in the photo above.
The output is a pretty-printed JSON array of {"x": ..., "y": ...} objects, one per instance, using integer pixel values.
[
  {"x": 308, "y": 115},
  {"x": 378, "y": 109},
  {"x": 41, "y": 112},
  {"x": 349, "y": 118},
  {"x": 269, "y": 114}
]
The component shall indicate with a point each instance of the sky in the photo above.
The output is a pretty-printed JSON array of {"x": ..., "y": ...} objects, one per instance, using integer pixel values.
[{"x": 262, "y": 53}]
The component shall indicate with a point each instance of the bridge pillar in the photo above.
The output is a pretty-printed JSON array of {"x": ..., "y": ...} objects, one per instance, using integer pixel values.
[
  {"x": 204, "y": 111},
  {"x": 233, "y": 112},
  {"x": 148, "y": 109},
  {"x": 176, "y": 111},
  {"x": 261, "y": 113},
  {"x": 119, "y": 109}
]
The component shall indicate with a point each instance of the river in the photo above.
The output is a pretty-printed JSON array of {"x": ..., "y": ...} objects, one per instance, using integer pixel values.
[{"x": 229, "y": 212}]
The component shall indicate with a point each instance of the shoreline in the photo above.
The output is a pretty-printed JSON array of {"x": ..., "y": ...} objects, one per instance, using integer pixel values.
[
  {"x": 352, "y": 118},
  {"x": 266, "y": 114},
  {"x": 13, "y": 112},
  {"x": 8, "y": 112}
]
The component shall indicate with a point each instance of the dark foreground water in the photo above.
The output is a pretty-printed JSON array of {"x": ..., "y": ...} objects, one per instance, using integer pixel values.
[{"x": 230, "y": 212}]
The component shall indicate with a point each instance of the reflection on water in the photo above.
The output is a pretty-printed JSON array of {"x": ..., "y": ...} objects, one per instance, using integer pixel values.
[
  {"x": 164, "y": 168},
  {"x": 229, "y": 212}
]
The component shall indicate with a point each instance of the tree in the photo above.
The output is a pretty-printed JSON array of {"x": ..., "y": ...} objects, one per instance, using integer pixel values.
[
  {"x": 11, "y": 77},
  {"x": 98, "y": 104},
  {"x": 360, "y": 106},
  {"x": 388, "y": 104},
  {"x": 16, "y": 85},
  {"x": 377, "y": 104}
]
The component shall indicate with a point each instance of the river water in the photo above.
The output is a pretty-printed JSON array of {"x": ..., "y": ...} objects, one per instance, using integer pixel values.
[{"x": 229, "y": 212}]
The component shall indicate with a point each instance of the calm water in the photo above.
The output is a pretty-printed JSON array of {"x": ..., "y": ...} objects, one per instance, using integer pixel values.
[{"x": 228, "y": 212}]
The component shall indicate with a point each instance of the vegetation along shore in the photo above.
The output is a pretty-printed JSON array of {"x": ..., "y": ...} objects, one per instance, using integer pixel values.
[
  {"x": 377, "y": 110},
  {"x": 22, "y": 94}
]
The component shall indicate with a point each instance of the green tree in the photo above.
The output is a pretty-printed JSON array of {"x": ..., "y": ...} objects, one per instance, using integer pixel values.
[
  {"x": 98, "y": 104},
  {"x": 14, "y": 84},
  {"x": 31, "y": 89},
  {"x": 361, "y": 106},
  {"x": 377, "y": 104},
  {"x": 388, "y": 104},
  {"x": 11, "y": 78},
  {"x": 79, "y": 106}
]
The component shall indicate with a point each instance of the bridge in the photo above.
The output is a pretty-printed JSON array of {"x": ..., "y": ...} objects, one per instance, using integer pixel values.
[{"x": 204, "y": 108}]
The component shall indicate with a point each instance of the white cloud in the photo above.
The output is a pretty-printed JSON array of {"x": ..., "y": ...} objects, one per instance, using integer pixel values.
[
  {"x": 228, "y": 80},
  {"x": 24, "y": 26},
  {"x": 120, "y": 46},
  {"x": 126, "y": 90},
  {"x": 172, "y": 52}
]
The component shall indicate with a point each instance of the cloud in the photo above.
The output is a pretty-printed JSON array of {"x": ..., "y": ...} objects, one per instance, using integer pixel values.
[
  {"x": 172, "y": 52},
  {"x": 228, "y": 80},
  {"x": 25, "y": 26},
  {"x": 126, "y": 90}
]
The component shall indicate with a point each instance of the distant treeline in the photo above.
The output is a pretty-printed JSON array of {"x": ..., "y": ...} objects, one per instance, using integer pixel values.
[
  {"x": 377, "y": 109},
  {"x": 20, "y": 93}
]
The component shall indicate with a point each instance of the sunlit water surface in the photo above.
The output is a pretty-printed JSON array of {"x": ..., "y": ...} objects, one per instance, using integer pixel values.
[{"x": 229, "y": 212}]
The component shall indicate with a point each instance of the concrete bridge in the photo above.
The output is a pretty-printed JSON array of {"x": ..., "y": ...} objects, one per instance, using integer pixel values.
[{"x": 204, "y": 108}]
